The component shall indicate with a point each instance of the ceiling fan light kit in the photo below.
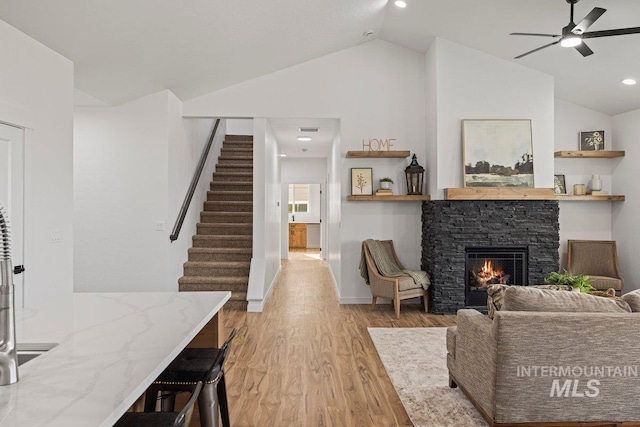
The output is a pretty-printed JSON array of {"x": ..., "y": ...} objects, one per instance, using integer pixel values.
[
  {"x": 570, "y": 41},
  {"x": 573, "y": 34}
]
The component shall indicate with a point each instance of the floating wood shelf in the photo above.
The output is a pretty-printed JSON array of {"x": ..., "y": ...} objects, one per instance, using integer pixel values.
[
  {"x": 589, "y": 198},
  {"x": 602, "y": 154},
  {"x": 392, "y": 198},
  {"x": 378, "y": 154},
  {"x": 501, "y": 193}
]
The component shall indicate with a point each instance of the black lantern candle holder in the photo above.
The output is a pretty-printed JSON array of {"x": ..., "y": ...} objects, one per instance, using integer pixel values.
[{"x": 415, "y": 177}]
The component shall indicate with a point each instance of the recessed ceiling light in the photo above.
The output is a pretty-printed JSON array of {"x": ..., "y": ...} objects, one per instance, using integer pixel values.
[
  {"x": 571, "y": 41},
  {"x": 401, "y": 4},
  {"x": 304, "y": 138},
  {"x": 629, "y": 82},
  {"x": 283, "y": 155}
]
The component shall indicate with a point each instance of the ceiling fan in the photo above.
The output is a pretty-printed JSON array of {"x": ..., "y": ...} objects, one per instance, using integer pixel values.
[{"x": 573, "y": 35}]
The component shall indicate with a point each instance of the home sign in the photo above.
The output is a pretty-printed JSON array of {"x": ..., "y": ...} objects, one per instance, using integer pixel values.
[{"x": 378, "y": 144}]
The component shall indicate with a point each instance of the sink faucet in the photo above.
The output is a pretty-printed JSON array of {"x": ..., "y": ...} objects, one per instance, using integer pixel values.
[{"x": 8, "y": 356}]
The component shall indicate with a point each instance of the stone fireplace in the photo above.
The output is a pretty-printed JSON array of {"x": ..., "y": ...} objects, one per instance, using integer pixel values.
[{"x": 469, "y": 244}]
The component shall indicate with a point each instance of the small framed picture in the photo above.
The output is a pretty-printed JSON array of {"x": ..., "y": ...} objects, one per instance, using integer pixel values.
[
  {"x": 361, "y": 182},
  {"x": 592, "y": 140},
  {"x": 559, "y": 185}
]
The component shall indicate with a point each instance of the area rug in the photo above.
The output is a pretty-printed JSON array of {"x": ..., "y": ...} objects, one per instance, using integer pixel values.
[{"x": 416, "y": 361}]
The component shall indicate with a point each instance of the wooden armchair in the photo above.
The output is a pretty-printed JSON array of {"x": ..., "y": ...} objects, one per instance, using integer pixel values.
[
  {"x": 395, "y": 288},
  {"x": 598, "y": 259}
]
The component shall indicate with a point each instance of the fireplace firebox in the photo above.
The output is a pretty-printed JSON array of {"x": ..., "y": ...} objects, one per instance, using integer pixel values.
[{"x": 486, "y": 266}]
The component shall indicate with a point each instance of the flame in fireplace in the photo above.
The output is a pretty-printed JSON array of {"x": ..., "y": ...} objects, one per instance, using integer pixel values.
[{"x": 488, "y": 274}]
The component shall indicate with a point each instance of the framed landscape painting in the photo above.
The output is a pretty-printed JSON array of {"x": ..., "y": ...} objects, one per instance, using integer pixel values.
[
  {"x": 361, "y": 182},
  {"x": 497, "y": 153}
]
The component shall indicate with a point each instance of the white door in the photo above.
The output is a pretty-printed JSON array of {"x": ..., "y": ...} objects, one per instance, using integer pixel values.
[{"x": 12, "y": 196}]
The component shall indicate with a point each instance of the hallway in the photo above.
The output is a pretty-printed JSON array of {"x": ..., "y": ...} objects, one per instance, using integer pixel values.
[{"x": 309, "y": 361}]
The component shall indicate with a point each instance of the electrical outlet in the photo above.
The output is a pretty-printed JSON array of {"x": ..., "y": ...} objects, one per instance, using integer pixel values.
[
  {"x": 160, "y": 226},
  {"x": 55, "y": 236}
]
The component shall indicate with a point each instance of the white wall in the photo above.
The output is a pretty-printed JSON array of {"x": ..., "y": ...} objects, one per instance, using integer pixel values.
[
  {"x": 240, "y": 126},
  {"x": 121, "y": 178},
  {"x": 36, "y": 92},
  {"x": 265, "y": 263},
  {"x": 133, "y": 165},
  {"x": 378, "y": 93},
  {"x": 582, "y": 220},
  {"x": 626, "y": 228},
  {"x": 333, "y": 252},
  {"x": 474, "y": 85}
]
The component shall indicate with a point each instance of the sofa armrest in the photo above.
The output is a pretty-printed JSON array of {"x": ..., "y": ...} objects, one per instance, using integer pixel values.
[
  {"x": 567, "y": 366},
  {"x": 474, "y": 365}
]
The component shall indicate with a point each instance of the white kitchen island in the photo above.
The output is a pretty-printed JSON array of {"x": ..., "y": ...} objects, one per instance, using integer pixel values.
[{"x": 111, "y": 346}]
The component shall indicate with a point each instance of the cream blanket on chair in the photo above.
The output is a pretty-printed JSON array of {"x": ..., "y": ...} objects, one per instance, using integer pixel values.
[{"x": 387, "y": 267}]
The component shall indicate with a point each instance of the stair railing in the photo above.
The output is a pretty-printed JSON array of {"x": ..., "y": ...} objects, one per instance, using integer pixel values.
[{"x": 194, "y": 183}]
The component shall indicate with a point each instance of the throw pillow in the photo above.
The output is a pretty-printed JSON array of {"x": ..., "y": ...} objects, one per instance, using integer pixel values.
[
  {"x": 633, "y": 299},
  {"x": 495, "y": 296},
  {"x": 527, "y": 298}
]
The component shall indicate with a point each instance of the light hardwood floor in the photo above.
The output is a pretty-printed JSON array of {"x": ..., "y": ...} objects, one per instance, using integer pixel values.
[{"x": 306, "y": 360}]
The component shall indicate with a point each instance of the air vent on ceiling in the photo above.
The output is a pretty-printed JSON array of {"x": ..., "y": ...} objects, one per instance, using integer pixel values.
[{"x": 308, "y": 129}]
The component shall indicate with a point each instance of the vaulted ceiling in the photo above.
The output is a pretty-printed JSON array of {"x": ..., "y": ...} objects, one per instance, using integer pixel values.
[{"x": 124, "y": 49}]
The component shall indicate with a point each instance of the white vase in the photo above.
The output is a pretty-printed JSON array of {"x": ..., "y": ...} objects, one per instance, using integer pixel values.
[
  {"x": 596, "y": 183},
  {"x": 385, "y": 185}
]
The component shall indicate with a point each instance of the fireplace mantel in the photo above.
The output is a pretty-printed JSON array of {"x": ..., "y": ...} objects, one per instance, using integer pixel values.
[{"x": 499, "y": 193}]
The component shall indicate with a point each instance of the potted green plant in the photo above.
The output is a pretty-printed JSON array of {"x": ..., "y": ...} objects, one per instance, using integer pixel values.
[
  {"x": 581, "y": 282},
  {"x": 386, "y": 182}
]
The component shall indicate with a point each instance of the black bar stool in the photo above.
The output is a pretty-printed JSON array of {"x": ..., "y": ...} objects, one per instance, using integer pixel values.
[
  {"x": 189, "y": 367},
  {"x": 162, "y": 419}
]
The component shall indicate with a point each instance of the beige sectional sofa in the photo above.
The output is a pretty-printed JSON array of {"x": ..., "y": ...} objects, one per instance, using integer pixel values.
[{"x": 542, "y": 367}]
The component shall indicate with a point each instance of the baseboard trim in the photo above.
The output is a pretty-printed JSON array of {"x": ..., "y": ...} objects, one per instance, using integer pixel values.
[
  {"x": 355, "y": 300},
  {"x": 257, "y": 306}
]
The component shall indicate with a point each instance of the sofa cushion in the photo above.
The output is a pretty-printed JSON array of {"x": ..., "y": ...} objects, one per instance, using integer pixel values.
[
  {"x": 527, "y": 298},
  {"x": 495, "y": 295},
  {"x": 406, "y": 283},
  {"x": 601, "y": 282},
  {"x": 633, "y": 299}
]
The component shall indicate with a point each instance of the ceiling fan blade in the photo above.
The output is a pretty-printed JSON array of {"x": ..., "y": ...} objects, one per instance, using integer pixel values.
[
  {"x": 584, "y": 49},
  {"x": 588, "y": 20},
  {"x": 607, "y": 33},
  {"x": 535, "y": 50},
  {"x": 535, "y": 34}
]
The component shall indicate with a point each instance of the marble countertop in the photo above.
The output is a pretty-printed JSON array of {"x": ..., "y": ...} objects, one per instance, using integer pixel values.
[{"x": 111, "y": 346}]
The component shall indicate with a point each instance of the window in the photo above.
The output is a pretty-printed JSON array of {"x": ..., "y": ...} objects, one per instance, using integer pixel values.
[{"x": 298, "y": 198}]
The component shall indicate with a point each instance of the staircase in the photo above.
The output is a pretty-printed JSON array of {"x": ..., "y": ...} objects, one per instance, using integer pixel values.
[{"x": 220, "y": 257}]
